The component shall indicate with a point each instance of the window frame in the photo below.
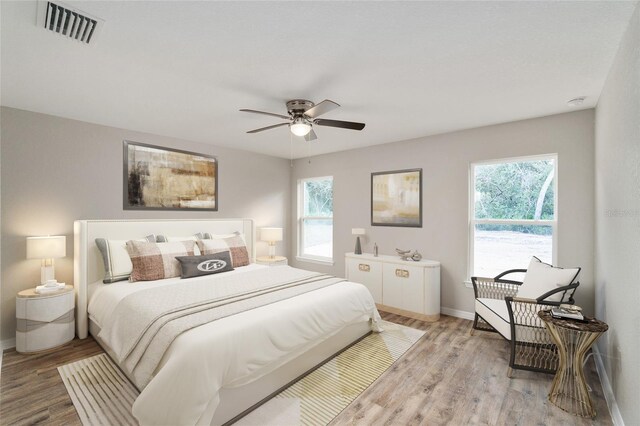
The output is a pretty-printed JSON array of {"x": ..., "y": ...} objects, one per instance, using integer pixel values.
[
  {"x": 472, "y": 222},
  {"x": 300, "y": 255}
]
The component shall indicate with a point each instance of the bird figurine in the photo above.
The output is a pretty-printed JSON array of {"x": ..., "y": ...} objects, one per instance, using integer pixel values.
[
  {"x": 407, "y": 255},
  {"x": 404, "y": 254}
]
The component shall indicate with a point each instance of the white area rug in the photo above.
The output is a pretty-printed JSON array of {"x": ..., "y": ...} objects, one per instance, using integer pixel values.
[{"x": 102, "y": 395}]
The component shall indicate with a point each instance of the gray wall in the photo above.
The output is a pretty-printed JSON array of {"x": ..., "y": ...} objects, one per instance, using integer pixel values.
[
  {"x": 617, "y": 243},
  {"x": 55, "y": 171},
  {"x": 445, "y": 162}
]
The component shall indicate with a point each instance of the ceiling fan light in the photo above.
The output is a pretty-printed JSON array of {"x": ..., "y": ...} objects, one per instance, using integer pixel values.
[{"x": 300, "y": 128}]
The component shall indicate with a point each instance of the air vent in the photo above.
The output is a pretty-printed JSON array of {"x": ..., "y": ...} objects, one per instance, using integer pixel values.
[{"x": 68, "y": 22}]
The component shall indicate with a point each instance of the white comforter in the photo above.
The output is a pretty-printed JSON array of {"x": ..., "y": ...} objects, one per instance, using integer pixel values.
[{"x": 236, "y": 350}]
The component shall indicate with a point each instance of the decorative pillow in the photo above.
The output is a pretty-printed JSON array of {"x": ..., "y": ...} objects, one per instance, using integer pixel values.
[
  {"x": 234, "y": 244},
  {"x": 157, "y": 261},
  {"x": 195, "y": 266},
  {"x": 542, "y": 277},
  {"x": 164, "y": 239},
  {"x": 117, "y": 263}
]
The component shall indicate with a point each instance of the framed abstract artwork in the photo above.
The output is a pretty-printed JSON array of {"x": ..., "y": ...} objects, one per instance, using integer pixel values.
[
  {"x": 158, "y": 178},
  {"x": 396, "y": 198}
]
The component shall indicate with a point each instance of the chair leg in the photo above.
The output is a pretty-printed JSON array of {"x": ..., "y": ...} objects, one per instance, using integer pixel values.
[
  {"x": 510, "y": 373},
  {"x": 471, "y": 331}
]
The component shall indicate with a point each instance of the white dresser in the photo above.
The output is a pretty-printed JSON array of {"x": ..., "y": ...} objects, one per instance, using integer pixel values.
[
  {"x": 402, "y": 287},
  {"x": 44, "y": 321}
]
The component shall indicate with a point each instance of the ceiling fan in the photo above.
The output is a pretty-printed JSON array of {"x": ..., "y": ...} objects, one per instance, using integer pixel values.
[{"x": 303, "y": 114}]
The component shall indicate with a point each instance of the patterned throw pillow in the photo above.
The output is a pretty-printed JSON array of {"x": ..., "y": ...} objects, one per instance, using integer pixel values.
[
  {"x": 157, "y": 261},
  {"x": 195, "y": 266},
  {"x": 234, "y": 244},
  {"x": 117, "y": 263},
  {"x": 161, "y": 238}
]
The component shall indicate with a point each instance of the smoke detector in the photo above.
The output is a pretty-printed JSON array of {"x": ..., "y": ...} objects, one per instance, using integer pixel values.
[
  {"x": 576, "y": 101},
  {"x": 68, "y": 21}
]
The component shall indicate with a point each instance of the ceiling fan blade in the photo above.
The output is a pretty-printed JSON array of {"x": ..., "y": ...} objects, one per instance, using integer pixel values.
[
  {"x": 311, "y": 136},
  {"x": 341, "y": 124},
  {"x": 286, "y": 117},
  {"x": 267, "y": 128},
  {"x": 322, "y": 108}
]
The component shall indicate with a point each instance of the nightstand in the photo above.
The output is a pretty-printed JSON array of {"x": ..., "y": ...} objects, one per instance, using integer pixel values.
[
  {"x": 271, "y": 261},
  {"x": 569, "y": 389},
  {"x": 46, "y": 320}
]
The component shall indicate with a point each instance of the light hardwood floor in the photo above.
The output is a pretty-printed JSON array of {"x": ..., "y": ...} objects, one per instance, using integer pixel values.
[{"x": 448, "y": 377}]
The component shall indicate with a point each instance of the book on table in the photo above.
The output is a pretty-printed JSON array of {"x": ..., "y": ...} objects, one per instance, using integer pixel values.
[{"x": 564, "y": 313}]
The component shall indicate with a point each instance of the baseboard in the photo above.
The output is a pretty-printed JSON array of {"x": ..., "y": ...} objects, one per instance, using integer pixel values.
[
  {"x": 457, "y": 313},
  {"x": 7, "y": 344},
  {"x": 609, "y": 396}
]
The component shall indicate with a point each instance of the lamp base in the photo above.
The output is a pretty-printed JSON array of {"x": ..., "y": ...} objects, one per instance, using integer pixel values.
[
  {"x": 358, "y": 249},
  {"x": 47, "y": 274}
]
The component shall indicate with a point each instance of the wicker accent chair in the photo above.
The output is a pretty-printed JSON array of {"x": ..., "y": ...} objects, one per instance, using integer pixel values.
[{"x": 499, "y": 309}]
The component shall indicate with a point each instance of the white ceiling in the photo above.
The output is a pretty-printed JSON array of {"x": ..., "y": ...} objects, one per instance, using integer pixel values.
[{"x": 406, "y": 69}]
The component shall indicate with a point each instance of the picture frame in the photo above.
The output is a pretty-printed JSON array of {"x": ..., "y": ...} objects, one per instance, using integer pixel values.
[
  {"x": 160, "y": 178},
  {"x": 396, "y": 198}
]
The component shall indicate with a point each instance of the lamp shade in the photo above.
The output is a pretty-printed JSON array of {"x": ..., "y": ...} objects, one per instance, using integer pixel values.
[
  {"x": 46, "y": 247},
  {"x": 357, "y": 231},
  {"x": 271, "y": 234}
]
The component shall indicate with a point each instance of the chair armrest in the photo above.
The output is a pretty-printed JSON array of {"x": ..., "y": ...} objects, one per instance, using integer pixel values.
[
  {"x": 491, "y": 288},
  {"x": 567, "y": 290},
  {"x": 510, "y": 271}
]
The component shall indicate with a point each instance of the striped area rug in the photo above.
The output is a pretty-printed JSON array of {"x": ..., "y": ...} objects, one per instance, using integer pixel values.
[
  {"x": 319, "y": 397},
  {"x": 102, "y": 395}
]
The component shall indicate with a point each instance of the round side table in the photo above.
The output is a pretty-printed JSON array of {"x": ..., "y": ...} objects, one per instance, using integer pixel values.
[{"x": 574, "y": 338}]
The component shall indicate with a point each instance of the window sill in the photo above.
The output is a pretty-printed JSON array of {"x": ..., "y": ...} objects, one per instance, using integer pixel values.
[
  {"x": 316, "y": 261},
  {"x": 468, "y": 284}
]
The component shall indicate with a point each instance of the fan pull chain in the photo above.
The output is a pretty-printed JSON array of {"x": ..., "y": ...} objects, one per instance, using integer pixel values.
[{"x": 291, "y": 148}]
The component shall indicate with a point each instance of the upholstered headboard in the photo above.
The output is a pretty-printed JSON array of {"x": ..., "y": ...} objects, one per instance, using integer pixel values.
[{"x": 88, "y": 264}]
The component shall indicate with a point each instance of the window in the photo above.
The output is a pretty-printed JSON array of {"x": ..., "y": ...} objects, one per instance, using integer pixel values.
[
  {"x": 315, "y": 219},
  {"x": 513, "y": 214}
]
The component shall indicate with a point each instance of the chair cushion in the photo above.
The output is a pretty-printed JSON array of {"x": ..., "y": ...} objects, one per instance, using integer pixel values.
[
  {"x": 542, "y": 277},
  {"x": 494, "y": 311}
]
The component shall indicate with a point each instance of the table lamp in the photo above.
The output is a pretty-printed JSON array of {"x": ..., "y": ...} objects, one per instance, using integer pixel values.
[
  {"x": 46, "y": 249},
  {"x": 271, "y": 235},
  {"x": 358, "y": 232}
]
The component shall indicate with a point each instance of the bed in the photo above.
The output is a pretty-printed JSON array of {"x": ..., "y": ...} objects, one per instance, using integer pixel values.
[{"x": 214, "y": 372}]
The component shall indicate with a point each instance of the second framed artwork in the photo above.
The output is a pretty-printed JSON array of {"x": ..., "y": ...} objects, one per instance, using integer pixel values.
[
  {"x": 157, "y": 178},
  {"x": 396, "y": 198}
]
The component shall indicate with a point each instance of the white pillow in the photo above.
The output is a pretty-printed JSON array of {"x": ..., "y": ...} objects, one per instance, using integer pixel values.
[
  {"x": 117, "y": 263},
  {"x": 542, "y": 278}
]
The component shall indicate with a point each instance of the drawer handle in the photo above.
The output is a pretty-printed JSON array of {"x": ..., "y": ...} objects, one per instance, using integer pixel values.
[
  {"x": 364, "y": 267},
  {"x": 402, "y": 273}
]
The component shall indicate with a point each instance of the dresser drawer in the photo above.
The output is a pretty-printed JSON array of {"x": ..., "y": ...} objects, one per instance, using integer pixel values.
[
  {"x": 45, "y": 309},
  {"x": 403, "y": 286},
  {"x": 368, "y": 273},
  {"x": 32, "y": 336}
]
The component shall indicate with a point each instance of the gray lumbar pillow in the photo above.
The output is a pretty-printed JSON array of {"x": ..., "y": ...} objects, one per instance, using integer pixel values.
[
  {"x": 117, "y": 263},
  {"x": 195, "y": 266}
]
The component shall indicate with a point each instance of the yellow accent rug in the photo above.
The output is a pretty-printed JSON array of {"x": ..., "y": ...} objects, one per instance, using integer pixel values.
[{"x": 319, "y": 397}]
